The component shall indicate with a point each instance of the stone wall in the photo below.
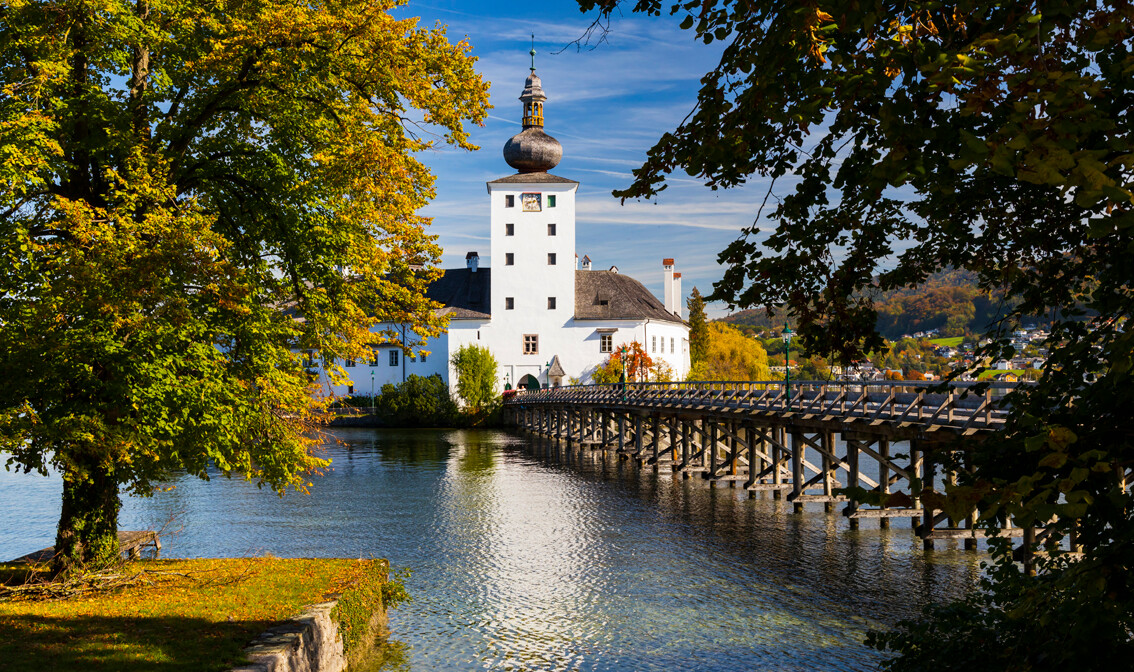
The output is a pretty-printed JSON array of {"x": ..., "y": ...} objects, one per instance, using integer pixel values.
[{"x": 310, "y": 642}]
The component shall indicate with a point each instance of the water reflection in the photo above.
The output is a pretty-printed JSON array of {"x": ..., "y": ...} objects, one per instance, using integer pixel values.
[{"x": 545, "y": 559}]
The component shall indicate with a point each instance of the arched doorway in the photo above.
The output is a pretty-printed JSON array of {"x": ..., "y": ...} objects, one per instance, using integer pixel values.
[{"x": 529, "y": 382}]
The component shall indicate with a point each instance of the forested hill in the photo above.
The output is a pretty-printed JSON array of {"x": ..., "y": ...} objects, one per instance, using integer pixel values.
[{"x": 949, "y": 302}]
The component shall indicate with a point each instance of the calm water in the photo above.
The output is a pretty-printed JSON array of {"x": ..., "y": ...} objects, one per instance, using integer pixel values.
[{"x": 555, "y": 563}]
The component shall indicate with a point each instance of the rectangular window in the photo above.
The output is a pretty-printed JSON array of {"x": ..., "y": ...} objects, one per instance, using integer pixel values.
[
  {"x": 509, "y": 259},
  {"x": 373, "y": 358},
  {"x": 606, "y": 343},
  {"x": 509, "y": 303},
  {"x": 423, "y": 356},
  {"x": 551, "y": 229},
  {"x": 412, "y": 357},
  {"x": 671, "y": 345},
  {"x": 394, "y": 357},
  {"x": 509, "y": 229},
  {"x": 531, "y": 344},
  {"x": 350, "y": 390},
  {"x": 551, "y": 303},
  {"x": 654, "y": 344},
  {"x": 349, "y": 363},
  {"x": 551, "y": 200},
  {"x": 531, "y": 202},
  {"x": 509, "y": 201},
  {"x": 550, "y": 258}
]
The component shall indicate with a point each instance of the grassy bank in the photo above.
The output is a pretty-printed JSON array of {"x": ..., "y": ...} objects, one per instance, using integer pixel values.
[{"x": 177, "y": 614}]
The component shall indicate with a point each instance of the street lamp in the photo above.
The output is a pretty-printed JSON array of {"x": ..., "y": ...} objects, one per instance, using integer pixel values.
[{"x": 788, "y": 333}]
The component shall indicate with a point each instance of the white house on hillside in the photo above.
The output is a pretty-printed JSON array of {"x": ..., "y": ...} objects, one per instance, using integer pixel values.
[{"x": 545, "y": 319}]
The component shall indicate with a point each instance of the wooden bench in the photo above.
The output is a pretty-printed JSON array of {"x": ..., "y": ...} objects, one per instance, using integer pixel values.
[{"x": 130, "y": 543}]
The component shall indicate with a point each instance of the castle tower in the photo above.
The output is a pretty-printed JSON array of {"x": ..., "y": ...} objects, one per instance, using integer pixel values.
[{"x": 532, "y": 218}]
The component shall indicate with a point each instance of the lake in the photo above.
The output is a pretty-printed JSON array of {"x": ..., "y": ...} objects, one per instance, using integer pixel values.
[{"x": 569, "y": 562}]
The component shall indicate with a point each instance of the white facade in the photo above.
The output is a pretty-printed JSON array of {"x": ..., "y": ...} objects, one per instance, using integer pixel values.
[{"x": 540, "y": 307}]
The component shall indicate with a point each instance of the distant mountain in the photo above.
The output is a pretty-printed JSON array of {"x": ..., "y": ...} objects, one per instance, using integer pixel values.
[{"x": 948, "y": 301}]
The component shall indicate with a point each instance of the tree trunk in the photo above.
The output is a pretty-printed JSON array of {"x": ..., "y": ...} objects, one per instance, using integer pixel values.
[{"x": 88, "y": 524}]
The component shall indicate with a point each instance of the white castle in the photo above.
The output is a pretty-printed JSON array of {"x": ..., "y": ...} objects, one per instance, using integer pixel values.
[{"x": 544, "y": 318}]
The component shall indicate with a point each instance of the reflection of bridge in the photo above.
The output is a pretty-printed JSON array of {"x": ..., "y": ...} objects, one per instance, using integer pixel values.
[{"x": 806, "y": 441}]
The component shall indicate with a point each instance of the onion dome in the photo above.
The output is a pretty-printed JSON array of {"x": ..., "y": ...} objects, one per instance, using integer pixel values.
[{"x": 531, "y": 150}]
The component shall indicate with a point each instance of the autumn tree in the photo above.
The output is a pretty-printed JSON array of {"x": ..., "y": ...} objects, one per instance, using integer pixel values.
[
  {"x": 731, "y": 356},
  {"x": 194, "y": 194},
  {"x": 639, "y": 365},
  {"x": 987, "y": 136},
  {"x": 698, "y": 328}
]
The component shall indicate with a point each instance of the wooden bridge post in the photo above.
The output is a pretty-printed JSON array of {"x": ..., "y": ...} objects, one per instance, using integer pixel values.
[
  {"x": 826, "y": 440},
  {"x": 777, "y": 459},
  {"x": 754, "y": 467},
  {"x": 884, "y": 480},
  {"x": 970, "y": 520},
  {"x": 656, "y": 438},
  {"x": 852, "y": 479},
  {"x": 915, "y": 469},
  {"x": 712, "y": 451},
  {"x": 796, "y": 469},
  {"x": 928, "y": 473},
  {"x": 684, "y": 447},
  {"x": 570, "y": 428},
  {"x": 621, "y": 431},
  {"x": 605, "y": 428},
  {"x": 637, "y": 434}
]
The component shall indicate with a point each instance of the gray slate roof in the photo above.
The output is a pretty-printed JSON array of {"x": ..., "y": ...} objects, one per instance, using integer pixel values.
[
  {"x": 533, "y": 178},
  {"x": 464, "y": 294},
  {"x": 625, "y": 298},
  {"x": 599, "y": 295}
]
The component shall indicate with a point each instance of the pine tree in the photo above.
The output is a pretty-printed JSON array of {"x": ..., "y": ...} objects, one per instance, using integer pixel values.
[{"x": 698, "y": 329}]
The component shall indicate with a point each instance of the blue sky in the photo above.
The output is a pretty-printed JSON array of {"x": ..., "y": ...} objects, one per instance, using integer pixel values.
[{"x": 607, "y": 106}]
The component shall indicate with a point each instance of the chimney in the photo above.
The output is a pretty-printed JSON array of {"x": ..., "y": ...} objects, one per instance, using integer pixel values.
[
  {"x": 667, "y": 284},
  {"x": 586, "y": 263},
  {"x": 472, "y": 260},
  {"x": 677, "y": 296}
]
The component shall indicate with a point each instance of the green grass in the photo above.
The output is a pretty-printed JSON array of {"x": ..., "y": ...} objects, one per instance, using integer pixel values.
[
  {"x": 179, "y": 615},
  {"x": 951, "y": 342},
  {"x": 996, "y": 372}
]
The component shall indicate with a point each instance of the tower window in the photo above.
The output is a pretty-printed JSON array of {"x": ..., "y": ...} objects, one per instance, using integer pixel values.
[
  {"x": 550, "y": 258},
  {"x": 509, "y": 259},
  {"x": 531, "y": 344},
  {"x": 509, "y": 201},
  {"x": 551, "y": 229},
  {"x": 394, "y": 358},
  {"x": 509, "y": 229},
  {"x": 509, "y": 303},
  {"x": 606, "y": 343},
  {"x": 551, "y": 303},
  {"x": 551, "y": 200}
]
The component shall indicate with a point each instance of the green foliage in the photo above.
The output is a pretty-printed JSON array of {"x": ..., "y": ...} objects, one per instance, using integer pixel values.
[
  {"x": 367, "y": 595},
  {"x": 181, "y": 181},
  {"x": 990, "y": 137},
  {"x": 476, "y": 371},
  {"x": 417, "y": 402},
  {"x": 730, "y": 355},
  {"x": 698, "y": 328}
]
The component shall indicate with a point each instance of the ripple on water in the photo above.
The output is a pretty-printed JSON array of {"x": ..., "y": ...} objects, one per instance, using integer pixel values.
[{"x": 527, "y": 563}]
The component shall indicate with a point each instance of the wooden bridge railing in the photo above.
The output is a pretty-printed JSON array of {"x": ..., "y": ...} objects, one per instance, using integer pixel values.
[{"x": 900, "y": 404}]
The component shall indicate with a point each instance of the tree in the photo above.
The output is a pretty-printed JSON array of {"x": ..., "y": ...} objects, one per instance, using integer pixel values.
[
  {"x": 813, "y": 368},
  {"x": 698, "y": 328},
  {"x": 476, "y": 371},
  {"x": 731, "y": 356},
  {"x": 638, "y": 366},
  {"x": 417, "y": 402},
  {"x": 194, "y": 195},
  {"x": 992, "y": 137}
]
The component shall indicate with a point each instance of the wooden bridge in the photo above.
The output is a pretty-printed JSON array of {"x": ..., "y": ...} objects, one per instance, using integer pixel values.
[{"x": 803, "y": 442}]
